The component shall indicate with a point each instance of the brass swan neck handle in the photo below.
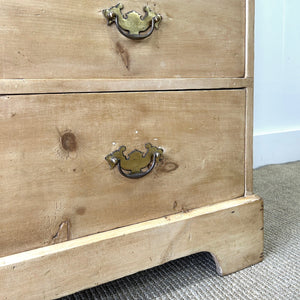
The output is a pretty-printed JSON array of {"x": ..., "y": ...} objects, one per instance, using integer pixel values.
[{"x": 132, "y": 24}]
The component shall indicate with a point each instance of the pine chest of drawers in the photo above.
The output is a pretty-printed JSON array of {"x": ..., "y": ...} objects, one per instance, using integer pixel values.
[{"x": 125, "y": 140}]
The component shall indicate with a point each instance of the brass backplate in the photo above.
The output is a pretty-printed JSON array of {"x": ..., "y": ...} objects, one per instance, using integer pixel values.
[
  {"x": 136, "y": 160},
  {"x": 132, "y": 22}
]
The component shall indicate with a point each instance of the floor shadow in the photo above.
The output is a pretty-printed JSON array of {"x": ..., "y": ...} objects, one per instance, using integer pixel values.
[{"x": 155, "y": 282}]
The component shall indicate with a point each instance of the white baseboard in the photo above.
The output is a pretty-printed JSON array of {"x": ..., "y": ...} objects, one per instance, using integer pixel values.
[{"x": 276, "y": 148}]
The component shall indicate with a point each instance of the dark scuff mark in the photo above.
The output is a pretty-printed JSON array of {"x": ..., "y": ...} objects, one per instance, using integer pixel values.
[
  {"x": 184, "y": 209},
  {"x": 124, "y": 54},
  {"x": 81, "y": 210},
  {"x": 174, "y": 205},
  {"x": 168, "y": 166}
]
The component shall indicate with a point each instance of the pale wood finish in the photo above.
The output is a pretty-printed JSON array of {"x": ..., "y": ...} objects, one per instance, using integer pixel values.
[
  {"x": 249, "y": 73},
  {"x": 32, "y": 86},
  {"x": 49, "y": 194},
  {"x": 249, "y": 143},
  {"x": 249, "y": 49},
  {"x": 57, "y": 201},
  {"x": 71, "y": 40},
  {"x": 231, "y": 231}
]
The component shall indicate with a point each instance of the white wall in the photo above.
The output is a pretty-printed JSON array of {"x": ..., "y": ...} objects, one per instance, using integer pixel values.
[{"x": 277, "y": 82}]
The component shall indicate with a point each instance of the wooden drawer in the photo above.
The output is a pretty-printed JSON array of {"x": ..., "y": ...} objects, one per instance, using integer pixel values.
[
  {"x": 52, "y": 192},
  {"x": 71, "y": 40}
]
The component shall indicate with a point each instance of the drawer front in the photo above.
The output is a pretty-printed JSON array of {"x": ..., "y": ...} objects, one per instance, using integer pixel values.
[
  {"x": 71, "y": 40},
  {"x": 56, "y": 184}
]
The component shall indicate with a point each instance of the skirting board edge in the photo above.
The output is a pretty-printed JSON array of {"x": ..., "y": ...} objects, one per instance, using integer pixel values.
[{"x": 276, "y": 148}]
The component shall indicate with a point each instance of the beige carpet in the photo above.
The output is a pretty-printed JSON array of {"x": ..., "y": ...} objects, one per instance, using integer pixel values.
[{"x": 194, "y": 277}]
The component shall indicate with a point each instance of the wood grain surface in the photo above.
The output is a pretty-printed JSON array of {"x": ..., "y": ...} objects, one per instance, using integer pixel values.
[
  {"x": 68, "y": 222},
  {"x": 232, "y": 231},
  {"x": 55, "y": 184},
  {"x": 71, "y": 40},
  {"x": 44, "y": 86},
  {"x": 249, "y": 143}
]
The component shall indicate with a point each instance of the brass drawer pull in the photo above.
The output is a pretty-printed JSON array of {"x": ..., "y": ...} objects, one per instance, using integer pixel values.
[
  {"x": 135, "y": 162},
  {"x": 132, "y": 23}
]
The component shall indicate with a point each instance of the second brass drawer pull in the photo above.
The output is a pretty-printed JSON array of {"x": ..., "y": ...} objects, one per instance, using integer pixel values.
[
  {"x": 132, "y": 24},
  {"x": 135, "y": 162}
]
